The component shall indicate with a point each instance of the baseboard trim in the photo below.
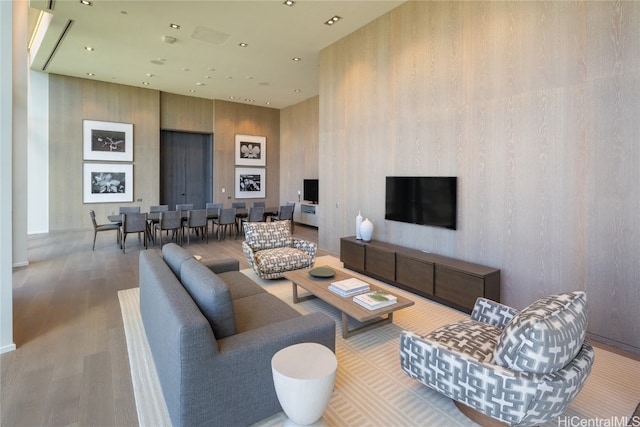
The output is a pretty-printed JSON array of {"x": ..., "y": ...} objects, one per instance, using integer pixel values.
[{"x": 7, "y": 348}]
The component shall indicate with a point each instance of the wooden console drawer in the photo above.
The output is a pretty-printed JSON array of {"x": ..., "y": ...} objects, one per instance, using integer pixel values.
[
  {"x": 352, "y": 254},
  {"x": 380, "y": 262},
  {"x": 459, "y": 288},
  {"x": 415, "y": 274}
]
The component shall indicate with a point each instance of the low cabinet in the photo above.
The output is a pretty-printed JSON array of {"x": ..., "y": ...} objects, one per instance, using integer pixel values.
[{"x": 447, "y": 280}]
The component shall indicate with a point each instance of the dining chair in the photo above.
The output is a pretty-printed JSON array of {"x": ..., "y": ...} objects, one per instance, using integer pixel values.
[
  {"x": 169, "y": 221},
  {"x": 134, "y": 223},
  {"x": 212, "y": 213},
  {"x": 225, "y": 218},
  {"x": 258, "y": 204},
  {"x": 197, "y": 220},
  {"x": 129, "y": 209},
  {"x": 256, "y": 214},
  {"x": 285, "y": 212},
  {"x": 158, "y": 208},
  {"x": 239, "y": 205},
  {"x": 102, "y": 227}
]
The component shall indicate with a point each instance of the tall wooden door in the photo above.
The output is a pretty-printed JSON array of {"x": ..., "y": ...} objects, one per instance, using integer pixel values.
[{"x": 186, "y": 168}]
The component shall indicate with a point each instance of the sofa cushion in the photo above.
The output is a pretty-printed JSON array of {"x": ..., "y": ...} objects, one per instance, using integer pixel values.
[
  {"x": 282, "y": 259},
  {"x": 211, "y": 295},
  {"x": 545, "y": 336},
  {"x": 174, "y": 256},
  {"x": 471, "y": 337},
  {"x": 240, "y": 285},
  {"x": 267, "y": 235},
  {"x": 260, "y": 310}
]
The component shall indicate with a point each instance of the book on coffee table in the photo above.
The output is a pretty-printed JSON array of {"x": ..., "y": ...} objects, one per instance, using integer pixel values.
[
  {"x": 349, "y": 287},
  {"x": 375, "y": 300}
]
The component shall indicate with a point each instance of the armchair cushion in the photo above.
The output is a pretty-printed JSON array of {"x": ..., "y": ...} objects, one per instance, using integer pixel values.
[
  {"x": 267, "y": 235},
  {"x": 469, "y": 337},
  {"x": 545, "y": 336},
  {"x": 283, "y": 259},
  {"x": 211, "y": 295}
]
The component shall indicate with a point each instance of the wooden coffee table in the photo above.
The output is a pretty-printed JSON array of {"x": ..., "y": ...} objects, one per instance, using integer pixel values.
[{"x": 319, "y": 288}]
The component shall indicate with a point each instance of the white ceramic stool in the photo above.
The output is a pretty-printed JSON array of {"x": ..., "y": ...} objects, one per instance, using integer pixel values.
[{"x": 303, "y": 375}]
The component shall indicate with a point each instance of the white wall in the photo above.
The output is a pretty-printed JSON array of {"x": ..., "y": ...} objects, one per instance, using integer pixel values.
[
  {"x": 38, "y": 153},
  {"x": 6, "y": 252}
]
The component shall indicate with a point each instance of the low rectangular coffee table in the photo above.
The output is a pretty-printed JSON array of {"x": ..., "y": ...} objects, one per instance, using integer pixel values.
[{"x": 319, "y": 288}]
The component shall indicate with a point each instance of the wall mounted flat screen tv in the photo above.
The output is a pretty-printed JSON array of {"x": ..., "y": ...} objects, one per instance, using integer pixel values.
[
  {"x": 424, "y": 200},
  {"x": 311, "y": 190}
]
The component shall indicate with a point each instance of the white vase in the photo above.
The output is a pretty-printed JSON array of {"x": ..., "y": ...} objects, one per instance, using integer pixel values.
[
  {"x": 358, "y": 223},
  {"x": 366, "y": 230}
]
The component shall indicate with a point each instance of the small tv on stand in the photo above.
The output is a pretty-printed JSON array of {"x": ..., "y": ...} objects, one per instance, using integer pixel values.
[{"x": 310, "y": 188}]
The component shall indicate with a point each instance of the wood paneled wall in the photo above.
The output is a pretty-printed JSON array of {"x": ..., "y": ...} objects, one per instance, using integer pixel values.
[
  {"x": 534, "y": 106},
  {"x": 232, "y": 118},
  {"x": 72, "y": 100},
  {"x": 299, "y": 147},
  {"x": 186, "y": 113}
]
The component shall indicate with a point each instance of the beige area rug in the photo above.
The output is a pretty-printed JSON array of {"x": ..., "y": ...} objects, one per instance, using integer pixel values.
[{"x": 371, "y": 389}]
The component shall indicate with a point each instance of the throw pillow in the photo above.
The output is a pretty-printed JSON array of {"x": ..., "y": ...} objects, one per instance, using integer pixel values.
[
  {"x": 267, "y": 235},
  {"x": 211, "y": 295},
  {"x": 545, "y": 336}
]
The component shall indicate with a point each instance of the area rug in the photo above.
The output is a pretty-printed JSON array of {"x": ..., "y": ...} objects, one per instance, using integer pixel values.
[{"x": 371, "y": 389}]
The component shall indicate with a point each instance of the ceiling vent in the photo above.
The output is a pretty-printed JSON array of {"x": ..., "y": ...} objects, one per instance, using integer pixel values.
[
  {"x": 210, "y": 35},
  {"x": 168, "y": 39}
]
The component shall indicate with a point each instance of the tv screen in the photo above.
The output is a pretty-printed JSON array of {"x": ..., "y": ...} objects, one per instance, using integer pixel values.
[
  {"x": 311, "y": 190},
  {"x": 422, "y": 200}
]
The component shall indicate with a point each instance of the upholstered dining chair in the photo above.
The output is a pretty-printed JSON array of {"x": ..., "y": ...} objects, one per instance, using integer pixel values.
[
  {"x": 256, "y": 214},
  {"x": 213, "y": 210},
  {"x": 134, "y": 223},
  {"x": 258, "y": 204},
  {"x": 285, "y": 212},
  {"x": 129, "y": 209},
  {"x": 158, "y": 208},
  {"x": 169, "y": 221},
  {"x": 197, "y": 221},
  {"x": 102, "y": 227},
  {"x": 227, "y": 217}
]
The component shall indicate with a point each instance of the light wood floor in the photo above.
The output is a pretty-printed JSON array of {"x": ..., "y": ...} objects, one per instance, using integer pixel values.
[{"x": 71, "y": 365}]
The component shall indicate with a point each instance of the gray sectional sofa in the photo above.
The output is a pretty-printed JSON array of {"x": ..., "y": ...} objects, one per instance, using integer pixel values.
[{"x": 212, "y": 332}]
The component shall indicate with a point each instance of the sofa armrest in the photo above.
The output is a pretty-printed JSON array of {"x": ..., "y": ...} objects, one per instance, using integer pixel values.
[
  {"x": 222, "y": 265},
  {"x": 305, "y": 246},
  {"x": 493, "y": 313}
]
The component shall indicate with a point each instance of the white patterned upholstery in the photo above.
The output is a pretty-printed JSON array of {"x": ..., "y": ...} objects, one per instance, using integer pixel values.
[
  {"x": 458, "y": 360},
  {"x": 272, "y": 251}
]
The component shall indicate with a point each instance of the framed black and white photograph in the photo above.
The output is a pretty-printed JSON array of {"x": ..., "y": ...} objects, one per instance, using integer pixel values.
[
  {"x": 107, "y": 182},
  {"x": 250, "y": 183},
  {"x": 107, "y": 141},
  {"x": 251, "y": 150}
]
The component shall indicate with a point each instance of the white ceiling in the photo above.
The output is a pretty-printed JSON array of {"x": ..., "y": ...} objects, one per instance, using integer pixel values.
[{"x": 127, "y": 38}]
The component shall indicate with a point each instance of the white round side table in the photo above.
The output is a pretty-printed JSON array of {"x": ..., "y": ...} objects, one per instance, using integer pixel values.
[{"x": 303, "y": 375}]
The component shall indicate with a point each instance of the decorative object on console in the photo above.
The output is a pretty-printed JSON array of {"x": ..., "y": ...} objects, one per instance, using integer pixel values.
[
  {"x": 358, "y": 224},
  {"x": 500, "y": 354},
  {"x": 366, "y": 230}
]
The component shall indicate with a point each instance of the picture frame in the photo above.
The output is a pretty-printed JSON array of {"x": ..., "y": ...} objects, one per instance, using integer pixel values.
[
  {"x": 107, "y": 182},
  {"x": 251, "y": 150},
  {"x": 251, "y": 183},
  {"x": 107, "y": 141}
]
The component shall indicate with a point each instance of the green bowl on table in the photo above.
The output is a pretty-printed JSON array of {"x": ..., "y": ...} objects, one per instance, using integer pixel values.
[{"x": 322, "y": 272}]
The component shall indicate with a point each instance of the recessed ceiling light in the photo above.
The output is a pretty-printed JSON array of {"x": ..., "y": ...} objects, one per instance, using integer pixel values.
[
  {"x": 296, "y": 59},
  {"x": 185, "y": 69},
  {"x": 232, "y": 97},
  {"x": 86, "y": 2},
  {"x": 297, "y": 90},
  {"x": 88, "y": 48},
  {"x": 175, "y": 26},
  {"x": 199, "y": 84},
  {"x": 90, "y": 74},
  {"x": 333, "y": 20},
  {"x": 192, "y": 91},
  {"x": 289, "y": 3},
  {"x": 146, "y": 83},
  {"x": 243, "y": 44},
  {"x": 150, "y": 75}
]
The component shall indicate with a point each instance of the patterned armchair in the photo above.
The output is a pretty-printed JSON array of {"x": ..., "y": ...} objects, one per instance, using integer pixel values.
[
  {"x": 521, "y": 368},
  {"x": 272, "y": 251}
]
